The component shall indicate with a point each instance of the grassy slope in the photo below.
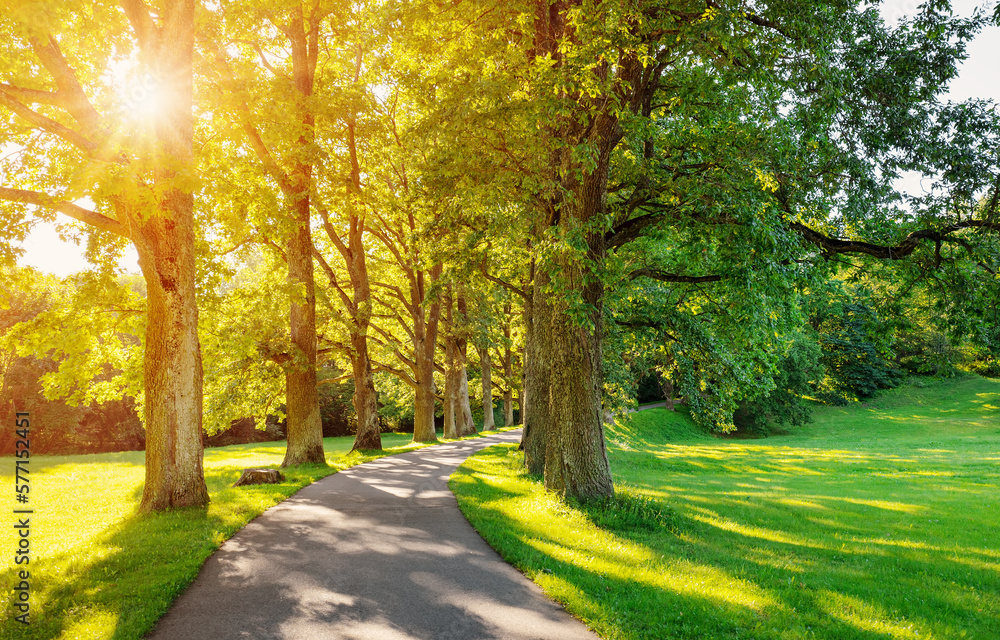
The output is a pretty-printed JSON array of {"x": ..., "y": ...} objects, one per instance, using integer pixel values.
[
  {"x": 97, "y": 571},
  {"x": 875, "y": 521}
]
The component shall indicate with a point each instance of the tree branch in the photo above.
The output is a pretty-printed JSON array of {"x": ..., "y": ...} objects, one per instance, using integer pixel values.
[
  {"x": 760, "y": 21},
  {"x": 71, "y": 94},
  {"x": 832, "y": 246},
  {"x": 663, "y": 276},
  {"x": 86, "y": 216},
  {"x": 142, "y": 23},
  {"x": 33, "y": 96},
  {"x": 503, "y": 283},
  {"x": 47, "y": 124}
]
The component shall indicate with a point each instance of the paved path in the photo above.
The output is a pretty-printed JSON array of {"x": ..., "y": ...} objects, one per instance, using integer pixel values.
[{"x": 379, "y": 551}]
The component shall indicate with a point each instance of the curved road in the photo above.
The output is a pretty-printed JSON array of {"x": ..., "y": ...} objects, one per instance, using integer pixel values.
[{"x": 379, "y": 551}]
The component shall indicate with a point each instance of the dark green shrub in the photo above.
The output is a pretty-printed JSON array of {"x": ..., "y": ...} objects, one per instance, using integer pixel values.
[
  {"x": 798, "y": 370},
  {"x": 854, "y": 345},
  {"x": 926, "y": 353}
]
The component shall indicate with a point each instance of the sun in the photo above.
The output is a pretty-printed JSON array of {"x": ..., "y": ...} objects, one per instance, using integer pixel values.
[
  {"x": 144, "y": 98},
  {"x": 141, "y": 97}
]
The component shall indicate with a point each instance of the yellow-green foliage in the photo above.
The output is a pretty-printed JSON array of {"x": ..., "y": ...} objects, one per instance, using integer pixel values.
[{"x": 877, "y": 521}]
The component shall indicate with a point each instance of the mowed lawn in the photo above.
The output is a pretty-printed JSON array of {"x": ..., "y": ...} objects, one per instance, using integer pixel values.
[
  {"x": 97, "y": 570},
  {"x": 875, "y": 521}
]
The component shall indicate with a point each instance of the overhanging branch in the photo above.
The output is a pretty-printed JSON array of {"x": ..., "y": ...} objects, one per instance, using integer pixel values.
[
  {"x": 663, "y": 276},
  {"x": 76, "y": 212},
  {"x": 832, "y": 246}
]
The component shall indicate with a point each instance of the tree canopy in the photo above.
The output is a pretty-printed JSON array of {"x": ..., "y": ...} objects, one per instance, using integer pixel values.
[{"x": 558, "y": 199}]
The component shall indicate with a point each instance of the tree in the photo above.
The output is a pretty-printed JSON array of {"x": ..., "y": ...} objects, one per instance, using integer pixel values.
[
  {"x": 284, "y": 155},
  {"x": 767, "y": 140},
  {"x": 138, "y": 169}
]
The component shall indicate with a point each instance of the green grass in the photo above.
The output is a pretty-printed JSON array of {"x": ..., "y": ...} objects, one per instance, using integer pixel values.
[
  {"x": 98, "y": 570},
  {"x": 876, "y": 521}
]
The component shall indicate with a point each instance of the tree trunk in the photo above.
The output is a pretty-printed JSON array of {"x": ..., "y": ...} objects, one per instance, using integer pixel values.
[
  {"x": 487, "y": 377},
  {"x": 425, "y": 329},
  {"x": 451, "y": 409},
  {"x": 463, "y": 409},
  {"x": 536, "y": 420},
  {"x": 576, "y": 462},
  {"x": 508, "y": 407},
  {"x": 667, "y": 385},
  {"x": 172, "y": 373},
  {"x": 304, "y": 428},
  {"x": 508, "y": 372},
  {"x": 368, "y": 435}
]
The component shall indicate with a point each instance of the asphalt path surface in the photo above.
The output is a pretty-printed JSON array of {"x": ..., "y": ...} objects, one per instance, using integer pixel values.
[{"x": 377, "y": 552}]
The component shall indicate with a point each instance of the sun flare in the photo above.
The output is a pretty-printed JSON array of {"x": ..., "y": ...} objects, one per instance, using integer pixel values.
[{"x": 144, "y": 98}]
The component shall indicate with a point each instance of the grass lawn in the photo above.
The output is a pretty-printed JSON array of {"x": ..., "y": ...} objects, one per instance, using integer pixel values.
[
  {"x": 98, "y": 571},
  {"x": 875, "y": 521}
]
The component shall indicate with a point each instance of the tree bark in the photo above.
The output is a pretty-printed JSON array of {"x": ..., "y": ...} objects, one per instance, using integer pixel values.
[
  {"x": 668, "y": 393},
  {"x": 576, "y": 461},
  {"x": 518, "y": 399},
  {"x": 365, "y": 400},
  {"x": 451, "y": 383},
  {"x": 172, "y": 373},
  {"x": 368, "y": 434},
  {"x": 426, "y": 315},
  {"x": 508, "y": 372},
  {"x": 536, "y": 420},
  {"x": 487, "y": 378},
  {"x": 463, "y": 409},
  {"x": 304, "y": 427}
]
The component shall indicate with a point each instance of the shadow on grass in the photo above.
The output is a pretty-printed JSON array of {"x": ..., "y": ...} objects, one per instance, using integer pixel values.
[
  {"x": 734, "y": 566},
  {"x": 126, "y": 577},
  {"x": 134, "y": 570}
]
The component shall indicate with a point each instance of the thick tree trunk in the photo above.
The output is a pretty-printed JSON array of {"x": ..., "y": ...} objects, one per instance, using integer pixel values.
[
  {"x": 668, "y": 393},
  {"x": 172, "y": 373},
  {"x": 451, "y": 383},
  {"x": 426, "y": 315},
  {"x": 508, "y": 372},
  {"x": 576, "y": 462},
  {"x": 463, "y": 408},
  {"x": 423, "y": 411},
  {"x": 368, "y": 435},
  {"x": 538, "y": 316},
  {"x": 487, "y": 378},
  {"x": 304, "y": 428}
]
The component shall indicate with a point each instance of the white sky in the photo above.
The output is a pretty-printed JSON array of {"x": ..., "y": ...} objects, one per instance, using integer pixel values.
[{"x": 979, "y": 77}]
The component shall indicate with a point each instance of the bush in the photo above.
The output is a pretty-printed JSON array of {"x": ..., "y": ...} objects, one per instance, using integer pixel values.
[
  {"x": 926, "y": 353},
  {"x": 987, "y": 366},
  {"x": 853, "y": 344},
  {"x": 783, "y": 406}
]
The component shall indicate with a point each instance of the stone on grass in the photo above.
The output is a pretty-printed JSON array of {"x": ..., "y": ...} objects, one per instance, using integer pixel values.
[{"x": 260, "y": 476}]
